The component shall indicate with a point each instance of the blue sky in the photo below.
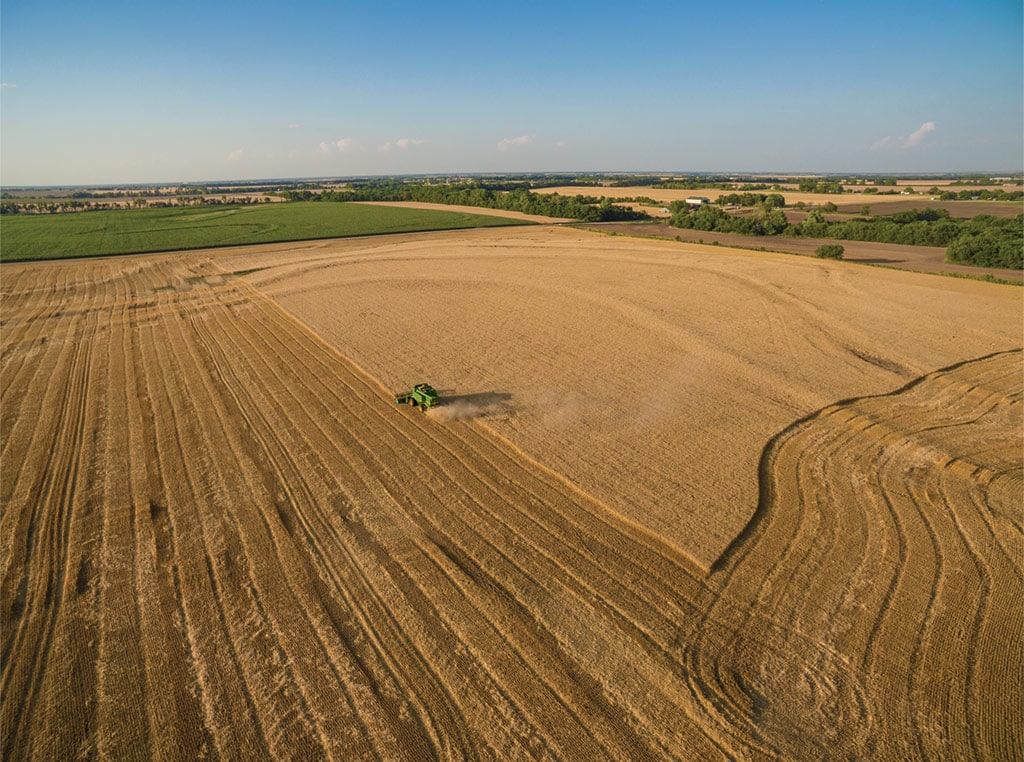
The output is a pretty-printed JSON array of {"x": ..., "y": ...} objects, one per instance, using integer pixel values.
[{"x": 110, "y": 92}]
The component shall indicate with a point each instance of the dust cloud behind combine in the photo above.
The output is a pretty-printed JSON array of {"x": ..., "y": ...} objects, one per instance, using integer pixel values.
[
  {"x": 684, "y": 503},
  {"x": 466, "y": 407}
]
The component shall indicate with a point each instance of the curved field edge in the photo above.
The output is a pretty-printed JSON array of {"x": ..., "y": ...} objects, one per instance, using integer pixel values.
[
  {"x": 888, "y": 543},
  {"x": 139, "y": 231},
  {"x": 766, "y": 464},
  {"x": 222, "y": 539}
]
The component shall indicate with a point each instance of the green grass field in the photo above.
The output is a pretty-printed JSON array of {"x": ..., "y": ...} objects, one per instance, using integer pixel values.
[{"x": 135, "y": 231}]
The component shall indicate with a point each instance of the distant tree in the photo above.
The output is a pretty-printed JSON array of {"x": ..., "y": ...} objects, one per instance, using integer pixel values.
[
  {"x": 829, "y": 251},
  {"x": 865, "y": 210},
  {"x": 773, "y": 222}
]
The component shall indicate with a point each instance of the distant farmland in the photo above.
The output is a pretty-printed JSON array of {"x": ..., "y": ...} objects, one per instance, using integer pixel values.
[{"x": 59, "y": 236}]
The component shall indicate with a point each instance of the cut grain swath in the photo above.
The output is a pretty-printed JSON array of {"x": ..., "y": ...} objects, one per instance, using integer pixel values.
[
  {"x": 281, "y": 563},
  {"x": 222, "y": 539},
  {"x": 886, "y": 551}
]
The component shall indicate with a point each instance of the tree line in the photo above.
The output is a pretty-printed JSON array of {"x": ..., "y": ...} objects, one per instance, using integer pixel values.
[
  {"x": 983, "y": 194},
  {"x": 983, "y": 240},
  {"x": 518, "y": 199},
  {"x": 748, "y": 198},
  {"x": 62, "y": 206}
]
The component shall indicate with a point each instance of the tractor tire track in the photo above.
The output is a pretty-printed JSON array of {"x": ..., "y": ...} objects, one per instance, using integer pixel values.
[
  {"x": 248, "y": 550},
  {"x": 902, "y": 485}
]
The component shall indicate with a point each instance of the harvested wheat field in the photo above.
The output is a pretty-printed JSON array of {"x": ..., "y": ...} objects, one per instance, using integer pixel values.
[{"x": 681, "y": 502}]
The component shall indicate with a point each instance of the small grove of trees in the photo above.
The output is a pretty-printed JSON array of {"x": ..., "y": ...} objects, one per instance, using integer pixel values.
[
  {"x": 829, "y": 251},
  {"x": 918, "y": 227},
  {"x": 986, "y": 241},
  {"x": 766, "y": 220},
  {"x": 752, "y": 199},
  {"x": 815, "y": 185}
]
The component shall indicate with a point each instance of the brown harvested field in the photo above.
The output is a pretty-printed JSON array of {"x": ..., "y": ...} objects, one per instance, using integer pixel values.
[
  {"x": 922, "y": 259},
  {"x": 681, "y": 503},
  {"x": 882, "y": 205}
]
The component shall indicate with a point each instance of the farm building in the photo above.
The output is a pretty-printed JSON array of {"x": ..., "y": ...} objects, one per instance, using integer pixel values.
[{"x": 698, "y": 200}]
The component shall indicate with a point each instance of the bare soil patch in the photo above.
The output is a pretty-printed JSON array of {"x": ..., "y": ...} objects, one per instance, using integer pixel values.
[{"x": 881, "y": 205}]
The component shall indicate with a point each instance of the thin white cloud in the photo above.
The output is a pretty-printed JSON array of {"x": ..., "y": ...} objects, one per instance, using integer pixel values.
[
  {"x": 294, "y": 126},
  {"x": 918, "y": 135},
  {"x": 561, "y": 144},
  {"x": 507, "y": 143},
  {"x": 404, "y": 143},
  {"x": 385, "y": 148},
  {"x": 904, "y": 143},
  {"x": 236, "y": 154},
  {"x": 341, "y": 145},
  {"x": 7, "y": 86}
]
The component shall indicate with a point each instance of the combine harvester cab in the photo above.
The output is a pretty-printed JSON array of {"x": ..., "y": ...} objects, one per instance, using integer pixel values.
[{"x": 422, "y": 396}]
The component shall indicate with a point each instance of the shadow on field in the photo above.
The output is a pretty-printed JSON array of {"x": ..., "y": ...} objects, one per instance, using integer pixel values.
[{"x": 874, "y": 261}]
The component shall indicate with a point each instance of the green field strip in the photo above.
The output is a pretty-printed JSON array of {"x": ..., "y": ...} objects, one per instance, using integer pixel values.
[{"x": 138, "y": 231}]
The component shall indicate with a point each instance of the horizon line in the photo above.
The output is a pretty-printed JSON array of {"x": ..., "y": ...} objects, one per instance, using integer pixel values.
[{"x": 486, "y": 173}]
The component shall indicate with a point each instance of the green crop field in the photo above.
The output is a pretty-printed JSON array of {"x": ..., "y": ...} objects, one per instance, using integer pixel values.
[{"x": 134, "y": 231}]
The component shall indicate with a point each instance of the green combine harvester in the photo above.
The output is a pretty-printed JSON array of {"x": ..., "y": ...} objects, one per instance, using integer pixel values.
[{"x": 422, "y": 396}]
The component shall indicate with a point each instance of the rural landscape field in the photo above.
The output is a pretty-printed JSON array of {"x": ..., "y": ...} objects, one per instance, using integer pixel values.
[
  {"x": 454, "y": 381},
  {"x": 678, "y": 502},
  {"x": 99, "y": 233}
]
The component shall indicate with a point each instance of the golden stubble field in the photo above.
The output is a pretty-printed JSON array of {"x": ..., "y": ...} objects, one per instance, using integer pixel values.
[
  {"x": 681, "y": 502},
  {"x": 650, "y": 374}
]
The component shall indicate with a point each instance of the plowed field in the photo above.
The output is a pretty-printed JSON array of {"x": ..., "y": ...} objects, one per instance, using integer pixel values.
[{"x": 222, "y": 538}]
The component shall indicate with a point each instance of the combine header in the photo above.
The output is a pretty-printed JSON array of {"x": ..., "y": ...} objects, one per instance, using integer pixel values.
[{"x": 422, "y": 396}]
